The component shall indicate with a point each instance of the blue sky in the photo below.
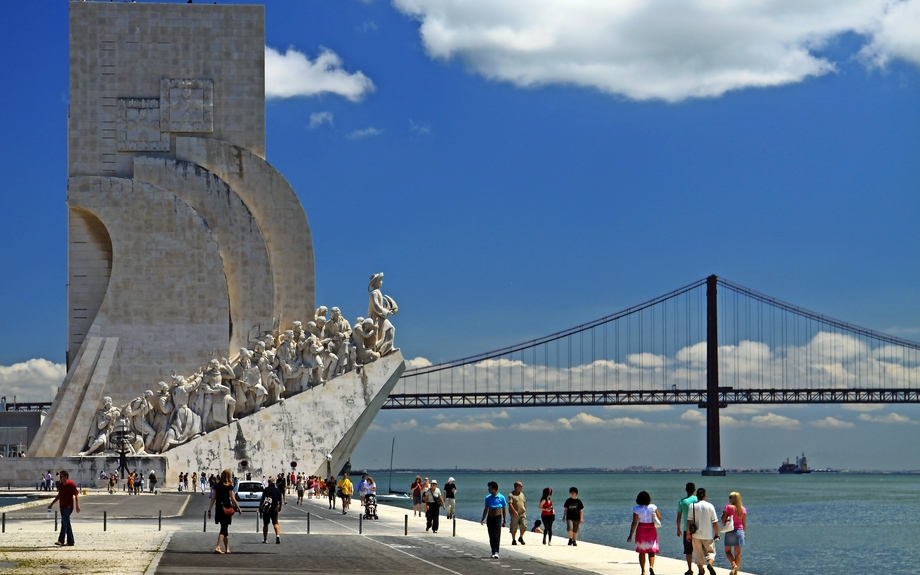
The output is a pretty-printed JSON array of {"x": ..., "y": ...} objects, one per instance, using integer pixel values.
[{"x": 517, "y": 171}]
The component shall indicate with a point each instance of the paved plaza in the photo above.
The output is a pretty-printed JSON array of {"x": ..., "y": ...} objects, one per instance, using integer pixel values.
[{"x": 132, "y": 544}]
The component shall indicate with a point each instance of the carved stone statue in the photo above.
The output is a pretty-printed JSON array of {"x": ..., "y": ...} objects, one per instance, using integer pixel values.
[
  {"x": 289, "y": 362},
  {"x": 340, "y": 331},
  {"x": 103, "y": 425},
  {"x": 221, "y": 392},
  {"x": 365, "y": 338},
  {"x": 380, "y": 308},
  {"x": 161, "y": 411},
  {"x": 265, "y": 361},
  {"x": 217, "y": 404},
  {"x": 136, "y": 413},
  {"x": 250, "y": 382},
  {"x": 185, "y": 424}
]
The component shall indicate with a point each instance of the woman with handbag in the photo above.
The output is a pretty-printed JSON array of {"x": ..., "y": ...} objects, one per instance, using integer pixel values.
[
  {"x": 734, "y": 520},
  {"x": 645, "y": 523},
  {"x": 227, "y": 505}
]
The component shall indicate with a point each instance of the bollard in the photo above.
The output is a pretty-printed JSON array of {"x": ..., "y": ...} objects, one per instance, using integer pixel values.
[
  {"x": 455, "y": 527},
  {"x": 360, "y": 524},
  {"x": 205, "y": 528},
  {"x": 4, "y": 523},
  {"x": 258, "y": 515},
  {"x": 406, "y": 528},
  {"x": 308, "y": 523},
  {"x": 55, "y": 520},
  {"x": 105, "y": 520},
  {"x": 160, "y": 521}
]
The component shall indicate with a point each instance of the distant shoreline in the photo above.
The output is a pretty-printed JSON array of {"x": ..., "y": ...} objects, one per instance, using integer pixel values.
[{"x": 633, "y": 470}]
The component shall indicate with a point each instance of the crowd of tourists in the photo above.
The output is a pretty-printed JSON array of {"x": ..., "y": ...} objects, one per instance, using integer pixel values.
[{"x": 699, "y": 524}]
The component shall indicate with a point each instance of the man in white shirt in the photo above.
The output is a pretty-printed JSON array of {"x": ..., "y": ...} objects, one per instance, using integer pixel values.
[{"x": 703, "y": 515}]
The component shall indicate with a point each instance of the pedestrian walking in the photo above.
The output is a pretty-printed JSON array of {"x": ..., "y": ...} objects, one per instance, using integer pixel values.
[
  {"x": 345, "y": 489},
  {"x": 270, "y": 506},
  {"x": 547, "y": 515},
  {"x": 433, "y": 503},
  {"x": 416, "y": 489},
  {"x": 153, "y": 480},
  {"x": 331, "y": 491},
  {"x": 450, "y": 498},
  {"x": 734, "y": 524},
  {"x": 194, "y": 481},
  {"x": 223, "y": 497},
  {"x": 645, "y": 518},
  {"x": 300, "y": 489},
  {"x": 574, "y": 515},
  {"x": 683, "y": 510},
  {"x": 496, "y": 507},
  {"x": 517, "y": 507},
  {"x": 68, "y": 499},
  {"x": 704, "y": 531}
]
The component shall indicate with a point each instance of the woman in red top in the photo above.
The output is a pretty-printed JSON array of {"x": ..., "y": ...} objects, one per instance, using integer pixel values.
[{"x": 547, "y": 514}]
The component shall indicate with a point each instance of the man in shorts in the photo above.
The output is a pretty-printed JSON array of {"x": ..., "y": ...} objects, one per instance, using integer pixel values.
[
  {"x": 683, "y": 510},
  {"x": 345, "y": 489},
  {"x": 517, "y": 507},
  {"x": 574, "y": 515},
  {"x": 269, "y": 507},
  {"x": 703, "y": 514}
]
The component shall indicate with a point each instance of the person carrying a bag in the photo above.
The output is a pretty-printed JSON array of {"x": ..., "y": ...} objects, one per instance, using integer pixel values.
[{"x": 225, "y": 499}]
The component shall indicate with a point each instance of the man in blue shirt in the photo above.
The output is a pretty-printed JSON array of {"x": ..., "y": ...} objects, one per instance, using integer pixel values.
[
  {"x": 496, "y": 506},
  {"x": 683, "y": 509}
]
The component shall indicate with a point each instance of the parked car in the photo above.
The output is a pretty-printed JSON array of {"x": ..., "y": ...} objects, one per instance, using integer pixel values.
[{"x": 248, "y": 494}]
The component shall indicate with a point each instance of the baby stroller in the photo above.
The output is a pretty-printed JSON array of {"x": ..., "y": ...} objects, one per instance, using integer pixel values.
[{"x": 370, "y": 506}]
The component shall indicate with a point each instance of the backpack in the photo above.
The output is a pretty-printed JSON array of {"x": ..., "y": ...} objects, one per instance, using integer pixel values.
[{"x": 266, "y": 505}]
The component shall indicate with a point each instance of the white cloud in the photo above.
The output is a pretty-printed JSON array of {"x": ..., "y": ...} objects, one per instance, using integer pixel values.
[
  {"x": 367, "y": 26},
  {"x": 588, "y": 420},
  {"x": 894, "y": 34},
  {"x": 417, "y": 362},
  {"x": 646, "y": 360},
  {"x": 420, "y": 129},
  {"x": 317, "y": 119},
  {"x": 536, "y": 425},
  {"x": 294, "y": 74},
  {"x": 361, "y": 134},
  {"x": 489, "y": 415},
  {"x": 403, "y": 425},
  {"x": 694, "y": 415},
  {"x": 32, "y": 380},
  {"x": 832, "y": 423},
  {"x": 774, "y": 420},
  {"x": 466, "y": 426},
  {"x": 891, "y": 418},
  {"x": 660, "y": 49}
]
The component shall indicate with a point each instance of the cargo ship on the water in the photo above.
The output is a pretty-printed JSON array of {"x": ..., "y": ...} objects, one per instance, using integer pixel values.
[{"x": 800, "y": 466}]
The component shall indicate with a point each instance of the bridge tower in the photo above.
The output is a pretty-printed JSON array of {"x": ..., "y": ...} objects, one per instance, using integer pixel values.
[{"x": 713, "y": 440}]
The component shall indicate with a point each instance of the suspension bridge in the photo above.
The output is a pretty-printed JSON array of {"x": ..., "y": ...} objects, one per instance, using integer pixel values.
[{"x": 711, "y": 343}]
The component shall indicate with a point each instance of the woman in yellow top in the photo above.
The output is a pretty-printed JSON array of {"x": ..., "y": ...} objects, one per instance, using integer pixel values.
[{"x": 345, "y": 490}]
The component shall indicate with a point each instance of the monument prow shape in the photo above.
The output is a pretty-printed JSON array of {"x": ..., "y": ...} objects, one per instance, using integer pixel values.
[{"x": 186, "y": 247}]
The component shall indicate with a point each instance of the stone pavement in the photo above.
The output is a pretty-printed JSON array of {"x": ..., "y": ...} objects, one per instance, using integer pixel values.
[{"x": 132, "y": 545}]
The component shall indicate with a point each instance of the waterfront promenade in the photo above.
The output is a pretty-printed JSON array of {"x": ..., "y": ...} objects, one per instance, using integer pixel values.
[{"x": 131, "y": 543}]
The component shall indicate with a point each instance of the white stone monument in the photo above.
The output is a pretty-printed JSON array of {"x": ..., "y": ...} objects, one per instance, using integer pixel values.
[{"x": 190, "y": 257}]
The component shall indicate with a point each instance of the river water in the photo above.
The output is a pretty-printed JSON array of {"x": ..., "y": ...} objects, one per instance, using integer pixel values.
[{"x": 822, "y": 522}]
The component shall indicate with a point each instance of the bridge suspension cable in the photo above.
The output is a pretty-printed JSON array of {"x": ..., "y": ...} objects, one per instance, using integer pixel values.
[{"x": 769, "y": 351}]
